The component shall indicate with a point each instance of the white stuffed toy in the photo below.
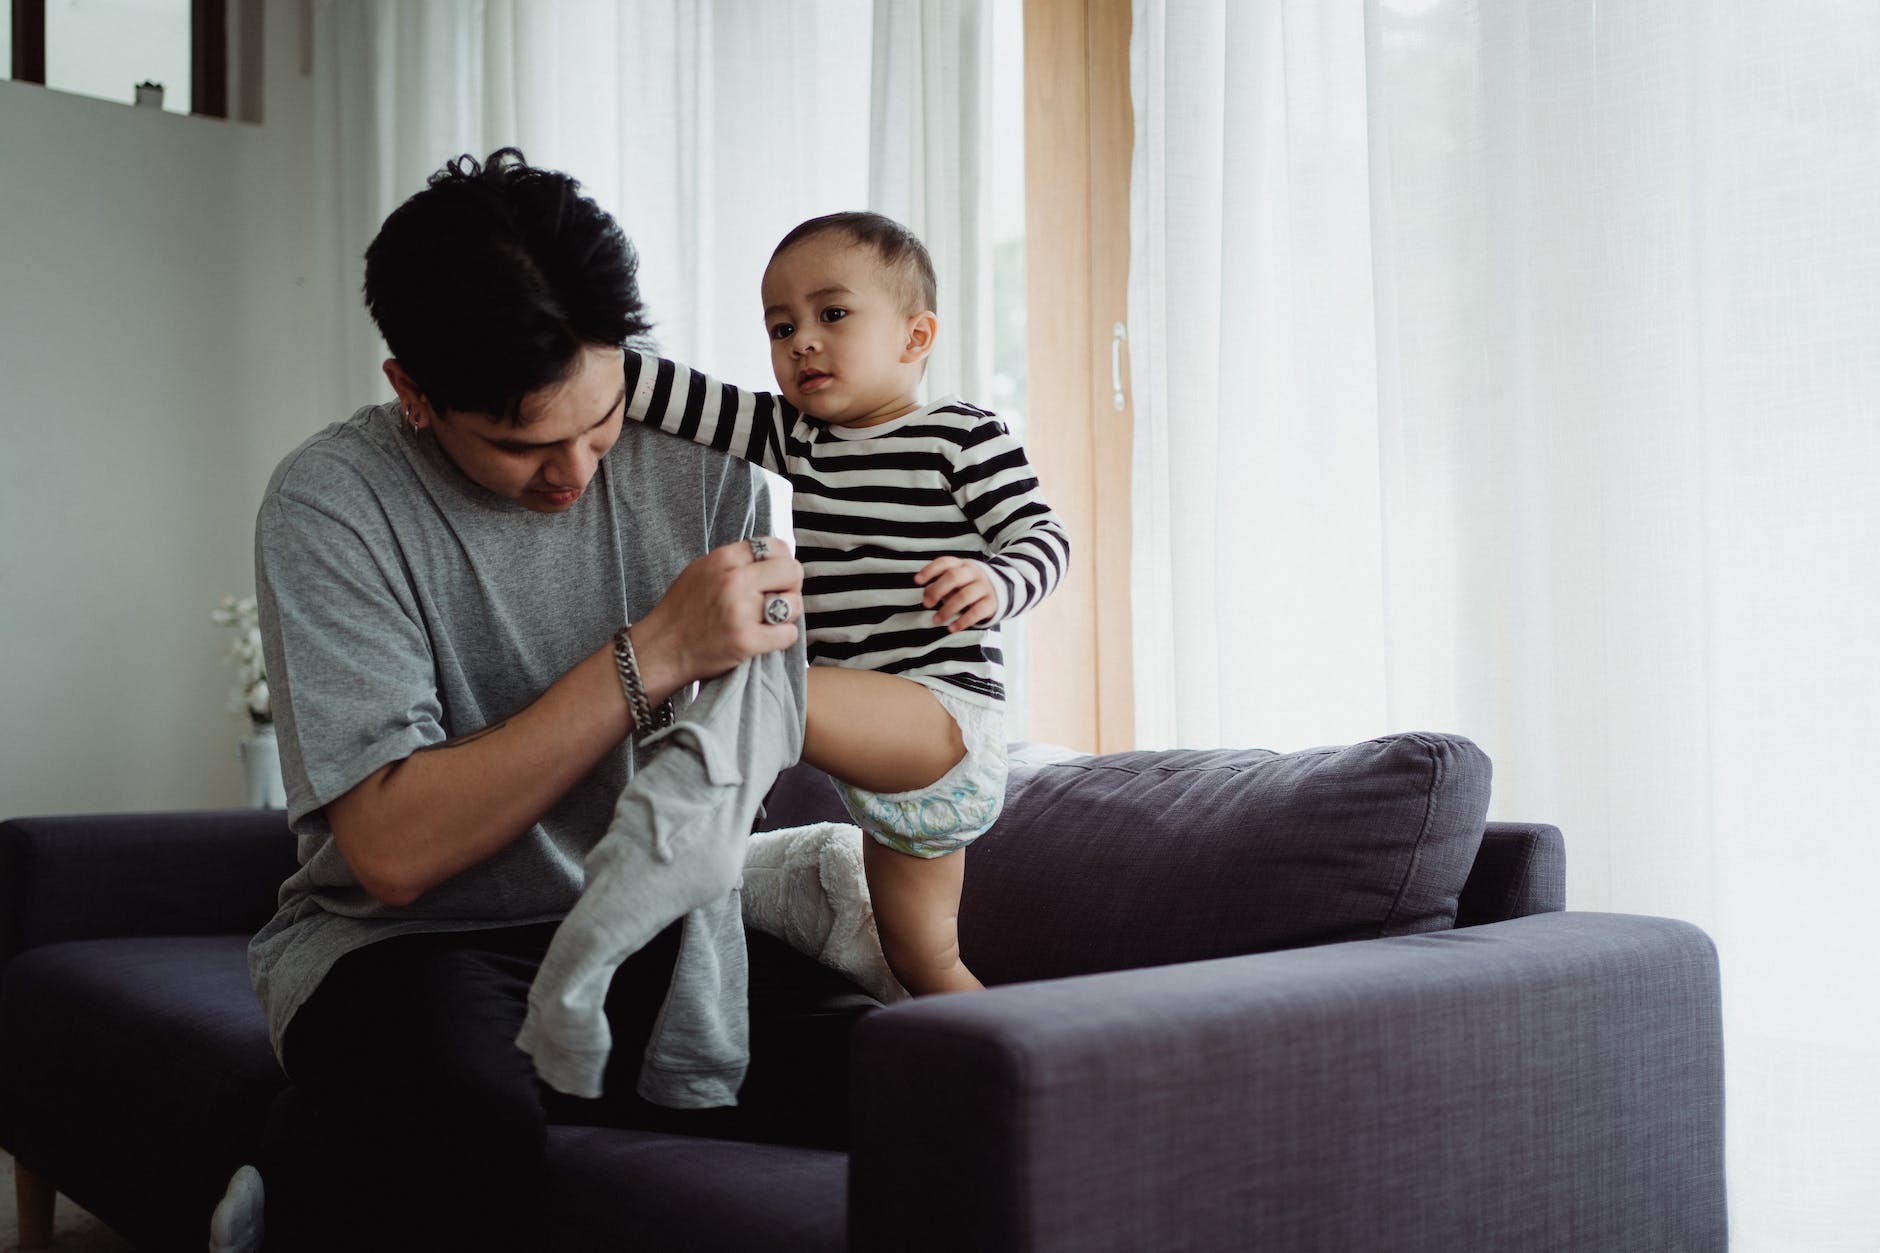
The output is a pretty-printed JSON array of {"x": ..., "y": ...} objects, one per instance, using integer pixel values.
[{"x": 806, "y": 887}]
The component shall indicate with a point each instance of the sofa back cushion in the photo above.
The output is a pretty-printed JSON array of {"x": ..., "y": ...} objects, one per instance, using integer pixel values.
[{"x": 1140, "y": 859}]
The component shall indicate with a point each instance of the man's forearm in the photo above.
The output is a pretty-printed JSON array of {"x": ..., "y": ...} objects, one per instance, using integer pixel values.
[
  {"x": 417, "y": 822},
  {"x": 414, "y": 823}
]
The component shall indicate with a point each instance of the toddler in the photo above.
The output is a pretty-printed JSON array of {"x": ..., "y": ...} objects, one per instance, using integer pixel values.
[{"x": 920, "y": 527}]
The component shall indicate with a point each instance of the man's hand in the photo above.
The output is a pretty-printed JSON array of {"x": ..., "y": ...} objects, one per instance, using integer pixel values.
[
  {"x": 958, "y": 592},
  {"x": 712, "y": 617}
]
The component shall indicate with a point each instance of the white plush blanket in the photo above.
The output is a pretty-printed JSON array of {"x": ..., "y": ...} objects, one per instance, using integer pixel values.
[{"x": 806, "y": 887}]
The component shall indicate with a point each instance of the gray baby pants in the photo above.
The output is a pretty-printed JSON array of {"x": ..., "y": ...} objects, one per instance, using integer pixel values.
[{"x": 675, "y": 849}]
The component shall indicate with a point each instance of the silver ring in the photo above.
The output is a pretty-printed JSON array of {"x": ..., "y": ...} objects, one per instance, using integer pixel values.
[
  {"x": 760, "y": 548},
  {"x": 777, "y": 610}
]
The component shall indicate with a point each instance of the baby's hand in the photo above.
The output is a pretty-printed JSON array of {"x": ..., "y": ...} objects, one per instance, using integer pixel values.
[{"x": 958, "y": 592}]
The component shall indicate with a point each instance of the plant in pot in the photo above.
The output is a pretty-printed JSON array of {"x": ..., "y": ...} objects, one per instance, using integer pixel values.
[{"x": 259, "y": 753}]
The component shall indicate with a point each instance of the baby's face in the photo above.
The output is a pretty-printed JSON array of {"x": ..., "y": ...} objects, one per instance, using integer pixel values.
[{"x": 842, "y": 345}]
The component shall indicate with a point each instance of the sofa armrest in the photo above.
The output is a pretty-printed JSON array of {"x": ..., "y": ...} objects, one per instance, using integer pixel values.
[
  {"x": 1549, "y": 1082},
  {"x": 179, "y": 873},
  {"x": 1520, "y": 869}
]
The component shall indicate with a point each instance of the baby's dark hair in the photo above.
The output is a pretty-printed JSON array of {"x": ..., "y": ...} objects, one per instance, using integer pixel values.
[
  {"x": 900, "y": 250},
  {"x": 488, "y": 284}
]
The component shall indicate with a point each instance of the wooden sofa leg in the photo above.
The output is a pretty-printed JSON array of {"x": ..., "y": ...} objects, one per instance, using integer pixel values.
[{"x": 35, "y": 1196}]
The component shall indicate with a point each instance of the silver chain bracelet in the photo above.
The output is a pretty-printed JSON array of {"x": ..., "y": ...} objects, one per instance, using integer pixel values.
[{"x": 646, "y": 719}]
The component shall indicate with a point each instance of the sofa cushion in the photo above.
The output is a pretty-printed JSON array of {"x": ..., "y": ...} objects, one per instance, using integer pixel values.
[
  {"x": 138, "y": 1074},
  {"x": 1146, "y": 858},
  {"x": 610, "y": 1189}
]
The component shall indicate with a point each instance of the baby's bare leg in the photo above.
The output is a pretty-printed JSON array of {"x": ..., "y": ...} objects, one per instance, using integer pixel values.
[
  {"x": 917, "y": 911},
  {"x": 878, "y": 732},
  {"x": 882, "y": 733}
]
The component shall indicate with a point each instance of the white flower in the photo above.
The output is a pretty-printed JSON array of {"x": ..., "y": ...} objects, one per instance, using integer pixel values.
[{"x": 250, "y": 694}]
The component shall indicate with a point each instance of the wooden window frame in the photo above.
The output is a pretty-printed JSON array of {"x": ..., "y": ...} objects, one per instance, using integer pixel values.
[
  {"x": 29, "y": 41},
  {"x": 208, "y": 52},
  {"x": 1079, "y": 135}
]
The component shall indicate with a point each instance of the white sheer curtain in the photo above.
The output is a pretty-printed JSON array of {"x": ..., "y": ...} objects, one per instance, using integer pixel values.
[
  {"x": 708, "y": 128},
  {"x": 929, "y": 153},
  {"x": 1511, "y": 369}
]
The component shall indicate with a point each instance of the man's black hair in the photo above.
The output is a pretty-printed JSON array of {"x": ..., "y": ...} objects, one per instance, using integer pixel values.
[
  {"x": 899, "y": 249},
  {"x": 488, "y": 283}
]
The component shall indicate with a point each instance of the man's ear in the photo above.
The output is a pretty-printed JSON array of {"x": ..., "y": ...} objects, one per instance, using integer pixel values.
[
  {"x": 411, "y": 399},
  {"x": 921, "y": 329}
]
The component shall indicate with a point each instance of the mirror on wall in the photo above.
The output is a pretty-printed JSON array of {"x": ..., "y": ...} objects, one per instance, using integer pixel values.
[{"x": 165, "y": 54}]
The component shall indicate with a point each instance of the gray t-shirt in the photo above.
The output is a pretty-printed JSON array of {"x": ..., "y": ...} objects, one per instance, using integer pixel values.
[{"x": 403, "y": 605}]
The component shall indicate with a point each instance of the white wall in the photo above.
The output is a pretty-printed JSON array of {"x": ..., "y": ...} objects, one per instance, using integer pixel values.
[{"x": 153, "y": 366}]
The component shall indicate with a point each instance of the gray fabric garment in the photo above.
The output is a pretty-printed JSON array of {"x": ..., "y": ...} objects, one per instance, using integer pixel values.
[
  {"x": 403, "y": 605},
  {"x": 676, "y": 848}
]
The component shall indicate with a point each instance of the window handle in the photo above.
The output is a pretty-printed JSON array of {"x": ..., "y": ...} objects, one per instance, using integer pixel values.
[{"x": 1118, "y": 333}]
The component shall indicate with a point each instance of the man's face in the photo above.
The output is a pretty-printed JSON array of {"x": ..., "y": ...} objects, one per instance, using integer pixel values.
[{"x": 547, "y": 461}]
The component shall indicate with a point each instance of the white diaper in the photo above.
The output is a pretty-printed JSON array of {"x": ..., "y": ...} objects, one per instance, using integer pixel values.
[{"x": 952, "y": 812}]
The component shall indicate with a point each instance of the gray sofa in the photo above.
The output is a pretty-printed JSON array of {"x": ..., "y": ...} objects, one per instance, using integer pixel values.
[{"x": 1242, "y": 1000}]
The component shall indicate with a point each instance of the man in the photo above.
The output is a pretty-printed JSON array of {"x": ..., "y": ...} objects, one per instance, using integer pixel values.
[{"x": 466, "y": 595}]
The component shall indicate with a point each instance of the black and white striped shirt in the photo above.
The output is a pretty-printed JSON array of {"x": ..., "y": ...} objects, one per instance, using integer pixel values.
[{"x": 872, "y": 506}]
